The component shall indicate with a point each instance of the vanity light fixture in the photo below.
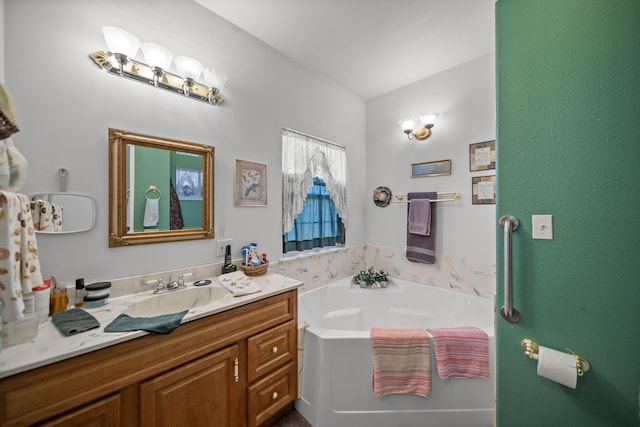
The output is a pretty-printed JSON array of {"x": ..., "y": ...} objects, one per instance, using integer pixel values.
[
  {"x": 408, "y": 125},
  {"x": 120, "y": 60}
]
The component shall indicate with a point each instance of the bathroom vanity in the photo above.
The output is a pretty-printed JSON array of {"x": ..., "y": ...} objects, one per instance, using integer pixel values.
[{"x": 236, "y": 367}]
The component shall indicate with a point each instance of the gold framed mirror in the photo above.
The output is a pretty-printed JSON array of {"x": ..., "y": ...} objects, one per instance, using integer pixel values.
[{"x": 160, "y": 190}]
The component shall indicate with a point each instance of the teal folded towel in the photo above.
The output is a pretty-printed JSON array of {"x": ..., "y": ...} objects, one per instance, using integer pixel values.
[
  {"x": 74, "y": 321},
  {"x": 163, "y": 324}
]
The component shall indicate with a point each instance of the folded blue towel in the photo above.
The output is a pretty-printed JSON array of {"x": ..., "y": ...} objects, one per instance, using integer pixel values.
[
  {"x": 74, "y": 321},
  {"x": 163, "y": 324}
]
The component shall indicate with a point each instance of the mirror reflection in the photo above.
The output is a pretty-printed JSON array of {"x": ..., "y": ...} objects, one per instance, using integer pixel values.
[
  {"x": 62, "y": 213},
  {"x": 161, "y": 189}
]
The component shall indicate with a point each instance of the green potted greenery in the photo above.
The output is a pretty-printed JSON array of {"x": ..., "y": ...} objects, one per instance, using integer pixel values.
[{"x": 369, "y": 276}]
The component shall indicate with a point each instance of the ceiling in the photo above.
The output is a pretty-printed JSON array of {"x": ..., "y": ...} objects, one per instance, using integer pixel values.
[{"x": 370, "y": 47}]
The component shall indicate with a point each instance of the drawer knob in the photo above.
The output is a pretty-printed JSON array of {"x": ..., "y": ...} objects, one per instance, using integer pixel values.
[
  {"x": 274, "y": 396},
  {"x": 274, "y": 349}
]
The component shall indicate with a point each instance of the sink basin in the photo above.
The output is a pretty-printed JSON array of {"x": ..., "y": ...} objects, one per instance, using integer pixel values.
[{"x": 175, "y": 301}]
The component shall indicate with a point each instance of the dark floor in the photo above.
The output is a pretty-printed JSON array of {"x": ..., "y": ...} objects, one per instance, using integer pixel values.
[{"x": 291, "y": 419}]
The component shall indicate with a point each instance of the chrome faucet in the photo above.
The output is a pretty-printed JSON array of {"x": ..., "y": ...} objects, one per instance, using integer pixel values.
[
  {"x": 172, "y": 285},
  {"x": 178, "y": 284},
  {"x": 160, "y": 286},
  {"x": 181, "y": 278},
  {"x": 175, "y": 285}
]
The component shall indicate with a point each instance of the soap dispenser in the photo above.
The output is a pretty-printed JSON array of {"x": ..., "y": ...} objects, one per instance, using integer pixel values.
[{"x": 228, "y": 266}]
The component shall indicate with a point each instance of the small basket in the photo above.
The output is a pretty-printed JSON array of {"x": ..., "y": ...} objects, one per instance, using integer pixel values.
[{"x": 255, "y": 270}]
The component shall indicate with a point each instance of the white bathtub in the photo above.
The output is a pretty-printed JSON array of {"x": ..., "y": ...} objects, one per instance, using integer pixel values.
[{"x": 337, "y": 365}]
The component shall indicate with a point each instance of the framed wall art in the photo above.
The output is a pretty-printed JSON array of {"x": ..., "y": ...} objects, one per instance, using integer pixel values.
[
  {"x": 250, "y": 183},
  {"x": 437, "y": 168},
  {"x": 483, "y": 189},
  {"x": 482, "y": 156},
  {"x": 189, "y": 183}
]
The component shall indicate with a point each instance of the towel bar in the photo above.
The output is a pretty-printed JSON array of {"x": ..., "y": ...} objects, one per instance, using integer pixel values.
[{"x": 401, "y": 198}]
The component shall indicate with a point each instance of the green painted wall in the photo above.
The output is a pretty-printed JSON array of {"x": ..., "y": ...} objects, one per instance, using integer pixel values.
[
  {"x": 568, "y": 138},
  {"x": 191, "y": 209},
  {"x": 152, "y": 168}
]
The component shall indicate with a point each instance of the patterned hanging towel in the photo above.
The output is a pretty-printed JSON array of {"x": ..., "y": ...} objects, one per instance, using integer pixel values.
[
  {"x": 401, "y": 361},
  {"x": 461, "y": 352},
  {"x": 19, "y": 262},
  {"x": 176, "y": 222}
]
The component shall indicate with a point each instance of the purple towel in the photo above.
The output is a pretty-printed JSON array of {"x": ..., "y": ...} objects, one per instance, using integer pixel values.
[
  {"x": 422, "y": 248},
  {"x": 420, "y": 217}
]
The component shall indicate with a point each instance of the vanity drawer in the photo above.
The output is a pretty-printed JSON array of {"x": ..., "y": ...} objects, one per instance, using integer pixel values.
[
  {"x": 271, "y": 394},
  {"x": 271, "y": 349}
]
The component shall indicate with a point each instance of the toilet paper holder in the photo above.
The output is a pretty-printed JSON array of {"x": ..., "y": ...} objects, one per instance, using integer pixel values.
[{"x": 531, "y": 347}]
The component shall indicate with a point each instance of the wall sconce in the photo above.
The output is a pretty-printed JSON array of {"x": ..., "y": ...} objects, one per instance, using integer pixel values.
[
  {"x": 120, "y": 60},
  {"x": 408, "y": 125}
]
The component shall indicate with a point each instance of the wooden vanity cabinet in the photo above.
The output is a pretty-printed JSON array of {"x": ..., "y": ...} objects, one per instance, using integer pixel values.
[
  {"x": 104, "y": 412},
  {"x": 201, "y": 393},
  {"x": 236, "y": 368}
]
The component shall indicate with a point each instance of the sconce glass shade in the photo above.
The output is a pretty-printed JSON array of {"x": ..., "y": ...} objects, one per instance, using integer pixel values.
[
  {"x": 156, "y": 55},
  {"x": 120, "y": 41},
  {"x": 213, "y": 78},
  {"x": 428, "y": 119},
  {"x": 407, "y": 125},
  {"x": 188, "y": 67}
]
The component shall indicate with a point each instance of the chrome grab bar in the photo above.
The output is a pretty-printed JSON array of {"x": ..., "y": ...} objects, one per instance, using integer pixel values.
[{"x": 510, "y": 314}]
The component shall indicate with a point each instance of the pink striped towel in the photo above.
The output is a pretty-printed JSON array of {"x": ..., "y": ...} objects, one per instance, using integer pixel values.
[
  {"x": 461, "y": 352},
  {"x": 401, "y": 361}
]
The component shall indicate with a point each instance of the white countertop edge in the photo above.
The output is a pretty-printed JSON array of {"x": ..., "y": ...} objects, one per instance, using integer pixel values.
[{"x": 50, "y": 346}]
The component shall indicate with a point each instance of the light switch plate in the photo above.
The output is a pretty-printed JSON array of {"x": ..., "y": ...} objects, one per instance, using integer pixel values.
[{"x": 542, "y": 226}]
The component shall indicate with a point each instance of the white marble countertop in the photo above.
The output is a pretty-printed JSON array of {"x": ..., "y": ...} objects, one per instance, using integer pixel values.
[{"x": 51, "y": 346}]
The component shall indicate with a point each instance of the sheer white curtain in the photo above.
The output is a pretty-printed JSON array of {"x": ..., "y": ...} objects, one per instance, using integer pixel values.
[{"x": 303, "y": 157}]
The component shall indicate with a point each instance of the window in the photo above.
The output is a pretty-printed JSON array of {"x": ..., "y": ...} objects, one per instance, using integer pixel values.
[
  {"x": 314, "y": 192},
  {"x": 318, "y": 225}
]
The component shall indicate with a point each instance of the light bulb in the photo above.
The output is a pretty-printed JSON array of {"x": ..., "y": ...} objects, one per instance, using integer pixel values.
[
  {"x": 216, "y": 79},
  {"x": 156, "y": 55},
  {"x": 120, "y": 41},
  {"x": 188, "y": 67}
]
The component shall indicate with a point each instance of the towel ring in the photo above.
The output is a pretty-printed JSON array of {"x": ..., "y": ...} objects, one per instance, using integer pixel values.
[{"x": 153, "y": 189}]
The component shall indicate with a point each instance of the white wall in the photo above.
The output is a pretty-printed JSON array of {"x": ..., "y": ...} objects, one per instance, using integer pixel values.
[
  {"x": 2, "y": 39},
  {"x": 65, "y": 104},
  {"x": 465, "y": 99}
]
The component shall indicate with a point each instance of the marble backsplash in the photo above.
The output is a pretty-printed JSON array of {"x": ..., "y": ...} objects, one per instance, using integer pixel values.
[
  {"x": 454, "y": 273},
  {"x": 325, "y": 266}
]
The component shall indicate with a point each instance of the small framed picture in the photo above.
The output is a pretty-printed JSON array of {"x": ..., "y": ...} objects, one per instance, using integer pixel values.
[
  {"x": 250, "y": 183},
  {"x": 437, "y": 168},
  {"x": 483, "y": 189},
  {"x": 482, "y": 156}
]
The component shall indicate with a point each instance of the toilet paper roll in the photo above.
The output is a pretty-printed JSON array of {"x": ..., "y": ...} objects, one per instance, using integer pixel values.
[{"x": 557, "y": 366}]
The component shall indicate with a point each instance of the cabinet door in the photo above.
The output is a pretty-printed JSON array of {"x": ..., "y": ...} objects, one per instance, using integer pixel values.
[
  {"x": 201, "y": 393},
  {"x": 103, "y": 413}
]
